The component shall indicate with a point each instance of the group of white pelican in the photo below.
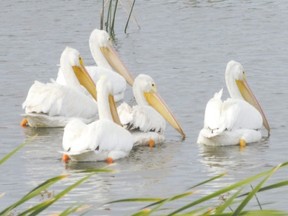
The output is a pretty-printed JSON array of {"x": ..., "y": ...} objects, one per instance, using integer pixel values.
[{"x": 83, "y": 100}]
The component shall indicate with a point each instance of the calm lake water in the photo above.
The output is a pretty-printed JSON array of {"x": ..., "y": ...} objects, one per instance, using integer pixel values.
[{"x": 184, "y": 45}]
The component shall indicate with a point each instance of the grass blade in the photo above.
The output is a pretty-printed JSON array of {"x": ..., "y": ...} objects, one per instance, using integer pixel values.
[
  {"x": 209, "y": 180},
  {"x": 113, "y": 19},
  {"x": 108, "y": 18},
  {"x": 164, "y": 201},
  {"x": 264, "y": 213},
  {"x": 42, "y": 206},
  {"x": 136, "y": 200},
  {"x": 73, "y": 209},
  {"x": 269, "y": 187},
  {"x": 198, "y": 212},
  {"x": 227, "y": 203},
  {"x": 7, "y": 156},
  {"x": 35, "y": 192},
  {"x": 178, "y": 196},
  {"x": 259, "y": 204},
  {"x": 254, "y": 191},
  {"x": 155, "y": 200},
  {"x": 221, "y": 191},
  {"x": 102, "y": 15},
  {"x": 129, "y": 16},
  {"x": 257, "y": 213},
  {"x": 143, "y": 212}
]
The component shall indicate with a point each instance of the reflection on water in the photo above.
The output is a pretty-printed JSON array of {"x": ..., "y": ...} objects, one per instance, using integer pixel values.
[
  {"x": 43, "y": 132},
  {"x": 233, "y": 159},
  {"x": 184, "y": 45},
  {"x": 84, "y": 166}
]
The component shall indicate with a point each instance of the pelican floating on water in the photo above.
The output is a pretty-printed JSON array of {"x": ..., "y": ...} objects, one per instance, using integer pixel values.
[
  {"x": 53, "y": 105},
  {"x": 108, "y": 63},
  {"x": 102, "y": 139},
  {"x": 237, "y": 120},
  {"x": 147, "y": 118}
]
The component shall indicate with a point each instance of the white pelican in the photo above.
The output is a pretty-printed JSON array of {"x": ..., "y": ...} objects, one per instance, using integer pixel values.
[
  {"x": 147, "y": 118},
  {"x": 99, "y": 140},
  {"x": 108, "y": 63},
  {"x": 53, "y": 104},
  {"x": 237, "y": 120}
]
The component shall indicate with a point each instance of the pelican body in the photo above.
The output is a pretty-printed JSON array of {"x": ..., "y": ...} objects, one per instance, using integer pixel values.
[
  {"x": 147, "y": 120},
  {"x": 54, "y": 105},
  {"x": 237, "y": 120},
  {"x": 104, "y": 139}
]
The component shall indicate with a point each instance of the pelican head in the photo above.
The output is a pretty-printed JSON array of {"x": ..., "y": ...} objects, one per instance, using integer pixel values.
[
  {"x": 106, "y": 103},
  {"x": 146, "y": 84},
  {"x": 235, "y": 70},
  {"x": 238, "y": 87},
  {"x": 71, "y": 58},
  {"x": 145, "y": 92},
  {"x": 106, "y": 56}
]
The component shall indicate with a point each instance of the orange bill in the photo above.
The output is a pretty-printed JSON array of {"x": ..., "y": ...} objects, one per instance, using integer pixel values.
[
  {"x": 113, "y": 59},
  {"x": 248, "y": 95},
  {"x": 158, "y": 104},
  {"x": 85, "y": 79},
  {"x": 113, "y": 110}
]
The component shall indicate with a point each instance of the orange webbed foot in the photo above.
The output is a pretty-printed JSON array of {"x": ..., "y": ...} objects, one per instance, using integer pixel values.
[
  {"x": 151, "y": 143},
  {"x": 24, "y": 122},
  {"x": 65, "y": 158},
  {"x": 242, "y": 143},
  {"x": 109, "y": 160}
]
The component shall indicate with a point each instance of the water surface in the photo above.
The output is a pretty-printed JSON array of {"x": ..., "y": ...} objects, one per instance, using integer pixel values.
[{"x": 184, "y": 45}]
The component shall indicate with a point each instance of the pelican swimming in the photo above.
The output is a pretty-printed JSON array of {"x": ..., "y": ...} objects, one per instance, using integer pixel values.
[
  {"x": 102, "y": 139},
  {"x": 53, "y": 105},
  {"x": 108, "y": 63},
  {"x": 237, "y": 120},
  {"x": 147, "y": 118}
]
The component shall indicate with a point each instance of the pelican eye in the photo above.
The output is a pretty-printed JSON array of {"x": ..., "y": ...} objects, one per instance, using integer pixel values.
[{"x": 153, "y": 84}]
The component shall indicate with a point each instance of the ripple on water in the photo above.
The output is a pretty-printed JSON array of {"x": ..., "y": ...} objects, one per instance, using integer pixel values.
[{"x": 184, "y": 45}]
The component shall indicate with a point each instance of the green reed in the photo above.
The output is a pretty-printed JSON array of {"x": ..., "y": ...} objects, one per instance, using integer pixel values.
[
  {"x": 37, "y": 191},
  {"x": 108, "y": 15},
  {"x": 197, "y": 206}
]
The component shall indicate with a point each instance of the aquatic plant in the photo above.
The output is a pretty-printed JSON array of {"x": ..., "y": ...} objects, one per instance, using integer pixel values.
[
  {"x": 38, "y": 191},
  {"x": 196, "y": 206},
  {"x": 110, "y": 8},
  {"x": 233, "y": 199}
]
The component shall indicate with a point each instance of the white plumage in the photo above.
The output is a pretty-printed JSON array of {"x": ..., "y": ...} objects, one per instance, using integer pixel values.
[
  {"x": 96, "y": 141},
  {"x": 53, "y": 105},
  {"x": 230, "y": 121},
  {"x": 145, "y": 123},
  {"x": 143, "y": 120},
  {"x": 101, "y": 139}
]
